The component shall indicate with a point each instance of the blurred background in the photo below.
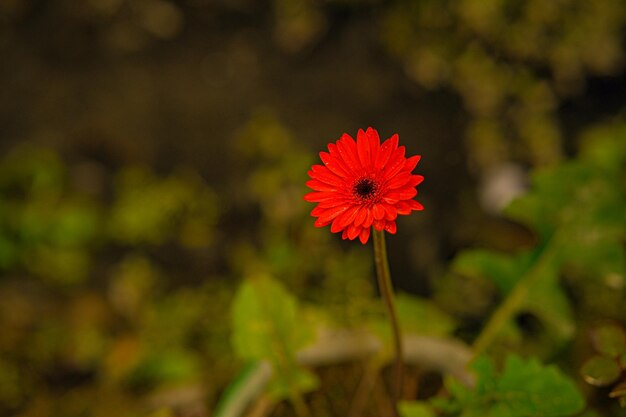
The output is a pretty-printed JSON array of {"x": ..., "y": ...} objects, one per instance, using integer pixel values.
[{"x": 153, "y": 154}]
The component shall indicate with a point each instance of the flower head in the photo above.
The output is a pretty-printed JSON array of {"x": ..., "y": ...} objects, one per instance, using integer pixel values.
[{"x": 363, "y": 183}]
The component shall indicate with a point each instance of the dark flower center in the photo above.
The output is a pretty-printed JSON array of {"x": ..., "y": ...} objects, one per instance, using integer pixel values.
[{"x": 365, "y": 188}]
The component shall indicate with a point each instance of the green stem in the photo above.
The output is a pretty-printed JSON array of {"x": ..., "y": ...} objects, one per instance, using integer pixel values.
[
  {"x": 386, "y": 292},
  {"x": 511, "y": 304}
]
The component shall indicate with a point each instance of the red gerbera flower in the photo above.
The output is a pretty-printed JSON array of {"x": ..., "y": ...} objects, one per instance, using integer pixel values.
[{"x": 362, "y": 184}]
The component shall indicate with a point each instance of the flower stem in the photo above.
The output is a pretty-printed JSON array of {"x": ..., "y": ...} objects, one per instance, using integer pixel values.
[{"x": 386, "y": 292}]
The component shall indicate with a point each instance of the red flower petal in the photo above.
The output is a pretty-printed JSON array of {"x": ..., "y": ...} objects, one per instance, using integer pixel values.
[
  {"x": 317, "y": 211},
  {"x": 398, "y": 181},
  {"x": 320, "y": 186},
  {"x": 332, "y": 164},
  {"x": 390, "y": 227},
  {"x": 415, "y": 205},
  {"x": 379, "y": 212},
  {"x": 395, "y": 164},
  {"x": 363, "y": 149},
  {"x": 316, "y": 197},
  {"x": 379, "y": 224},
  {"x": 415, "y": 180},
  {"x": 390, "y": 212},
  {"x": 403, "y": 207},
  {"x": 320, "y": 172},
  {"x": 331, "y": 213},
  {"x": 353, "y": 231},
  {"x": 411, "y": 163},
  {"x": 334, "y": 153},
  {"x": 369, "y": 219},
  {"x": 374, "y": 141},
  {"x": 363, "y": 184},
  {"x": 402, "y": 194},
  {"x": 364, "y": 235},
  {"x": 345, "y": 218},
  {"x": 347, "y": 149},
  {"x": 334, "y": 202},
  {"x": 386, "y": 149},
  {"x": 360, "y": 216},
  {"x": 321, "y": 223}
]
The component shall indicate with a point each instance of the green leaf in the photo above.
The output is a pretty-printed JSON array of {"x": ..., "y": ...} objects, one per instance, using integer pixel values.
[
  {"x": 581, "y": 205},
  {"x": 524, "y": 388},
  {"x": 235, "y": 398},
  {"x": 504, "y": 270},
  {"x": 267, "y": 326},
  {"x": 299, "y": 378},
  {"x": 545, "y": 299},
  {"x": 600, "y": 371},
  {"x": 609, "y": 340},
  {"x": 605, "y": 146},
  {"x": 485, "y": 373},
  {"x": 578, "y": 211},
  {"x": 415, "y": 409},
  {"x": 422, "y": 316},
  {"x": 549, "y": 303},
  {"x": 524, "y": 384},
  {"x": 166, "y": 366}
]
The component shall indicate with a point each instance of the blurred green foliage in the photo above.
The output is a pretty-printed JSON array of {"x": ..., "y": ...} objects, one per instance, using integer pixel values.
[
  {"x": 44, "y": 228},
  {"x": 523, "y": 388},
  {"x": 421, "y": 316},
  {"x": 267, "y": 325},
  {"x": 124, "y": 333},
  {"x": 116, "y": 279},
  {"x": 283, "y": 244},
  {"x": 608, "y": 363},
  {"x": 512, "y": 62},
  {"x": 414, "y": 409},
  {"x": 576, "y": 211},
  {"x": 124, "y": 329},
  {"x": 131, "y": 331},
  {"x": 150, "y": 210},
  {"x": 87, "y": 307}
]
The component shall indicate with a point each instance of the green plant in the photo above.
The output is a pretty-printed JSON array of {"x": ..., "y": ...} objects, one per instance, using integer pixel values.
[{"x": 576, "y": 211}]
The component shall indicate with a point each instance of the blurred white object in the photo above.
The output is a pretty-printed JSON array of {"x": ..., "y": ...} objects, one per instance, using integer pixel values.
[{"x": 500, "y": 185}]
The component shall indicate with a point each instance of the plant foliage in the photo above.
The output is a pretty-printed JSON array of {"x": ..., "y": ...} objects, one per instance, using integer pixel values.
[
  {"x": 524, "y": 388},
  {"x": 267, "y": 326}
]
